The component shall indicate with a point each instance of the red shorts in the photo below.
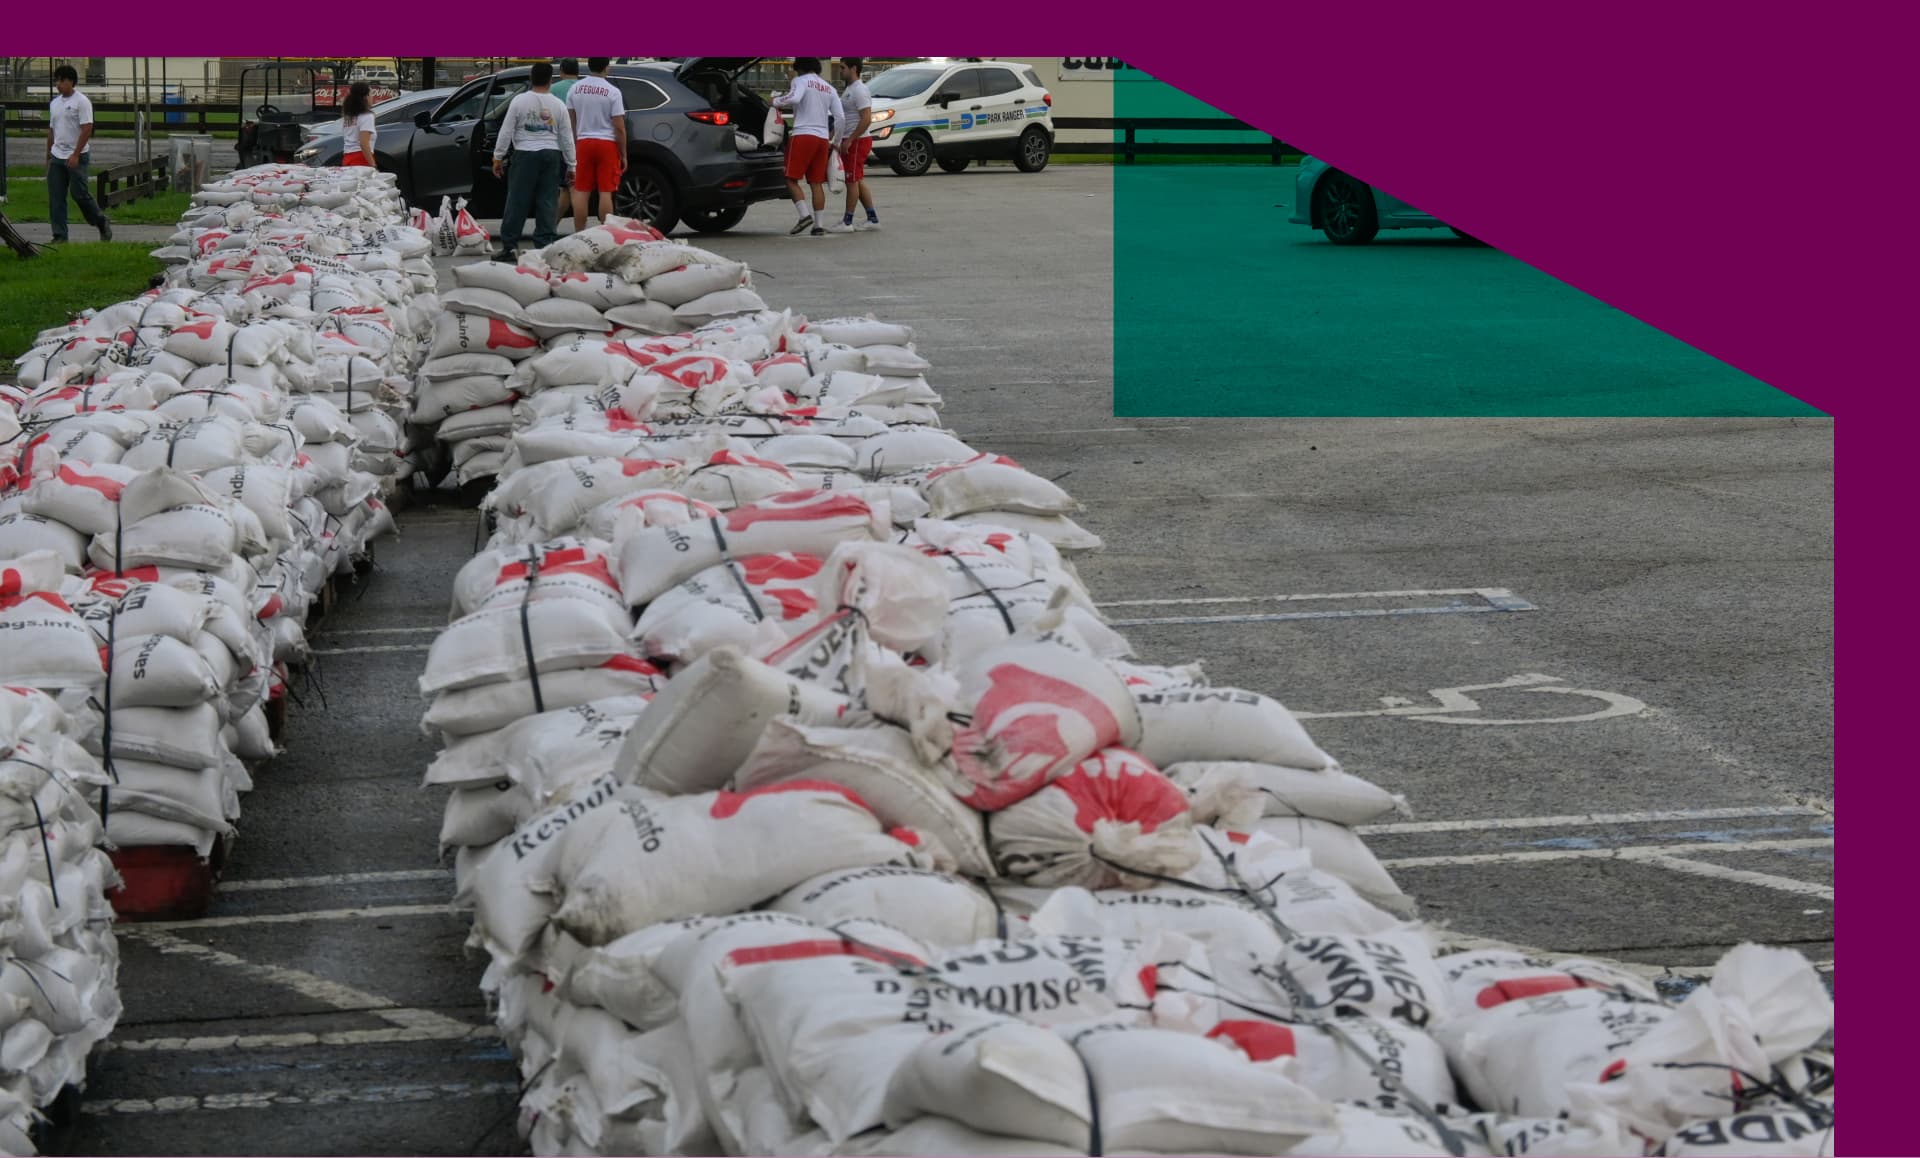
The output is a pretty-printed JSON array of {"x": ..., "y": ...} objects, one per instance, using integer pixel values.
[
  {"x": 597, "y": 167},
  {"x": 856, "y": 161},
  {"x": 807, "y": 159},
  {"x": 353, "y": 157}
]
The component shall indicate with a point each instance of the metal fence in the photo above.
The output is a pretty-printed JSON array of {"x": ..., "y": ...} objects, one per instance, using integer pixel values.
[{"x": 1127, "y": 146}]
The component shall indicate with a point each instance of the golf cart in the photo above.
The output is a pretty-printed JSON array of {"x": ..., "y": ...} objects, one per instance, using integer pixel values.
[{"x": 278, "y": 99}]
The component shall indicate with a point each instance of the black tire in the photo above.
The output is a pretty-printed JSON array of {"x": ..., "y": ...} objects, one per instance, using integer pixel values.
[
  {"x": 1344, "y": 208},
  {"x": 1465, "y": 236},
  {"x": 715, "y": 220},
  {"x": 914, "y": 156},
  {"x": 1034, "y": 150},
  {"x": 955, "y": 164},
  {"x": 648, "y": 194}
]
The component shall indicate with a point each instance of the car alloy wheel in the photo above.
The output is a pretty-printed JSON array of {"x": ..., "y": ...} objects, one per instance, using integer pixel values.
[
  {"x": 643, "y": 194},
  {"x": 1034, "y": 150},
  {"x": 915, "y": 155},
  {"x": 1347, "y": 215}
]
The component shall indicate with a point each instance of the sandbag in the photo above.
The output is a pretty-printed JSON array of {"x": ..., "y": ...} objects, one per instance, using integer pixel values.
[{"x": 1111, "y": 813}]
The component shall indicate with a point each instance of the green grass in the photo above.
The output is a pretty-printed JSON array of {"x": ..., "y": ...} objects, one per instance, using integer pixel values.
[
  {"x": 1196, "y": 159},
  {"x": 27, "y": 201},
  {"x": 41, "y": 291}
]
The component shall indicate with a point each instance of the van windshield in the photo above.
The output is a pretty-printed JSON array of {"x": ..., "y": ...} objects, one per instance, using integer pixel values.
[{"x": 897, "y": 83}]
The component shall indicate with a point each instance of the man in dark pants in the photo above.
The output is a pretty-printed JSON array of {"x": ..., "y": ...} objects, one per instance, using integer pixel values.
[
  {"x": 540, "y": 137},
  {"x": 69, "y": 128}
]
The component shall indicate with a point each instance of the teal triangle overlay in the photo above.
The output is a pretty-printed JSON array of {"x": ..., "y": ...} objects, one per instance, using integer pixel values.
[{"x": 1223, "y": 308}]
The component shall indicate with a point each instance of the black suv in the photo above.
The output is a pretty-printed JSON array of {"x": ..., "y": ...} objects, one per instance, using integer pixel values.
[{"x": 684, "y": 159}]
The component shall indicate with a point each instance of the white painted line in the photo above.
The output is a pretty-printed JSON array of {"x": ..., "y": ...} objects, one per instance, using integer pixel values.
[
  {"x": 1743, "y": 876},
  {"x": 1484, "y": 592},
  {"x": 1630, "y": 852},
  {"x": 365, "y": 913},
  {"x": 1451, "y": 705},
  {"x": 455, "y": 1031},
  {"x": 329, "y": 632},
  {"x": 1575, "y": 820},
  {"x": 270, "y": 884},
  {"x": 320, "y": 989},
  {"x": 372, "y": 650},
  {"x": 271, "y": 1099},
  {"x": 1013, "y": 434}
]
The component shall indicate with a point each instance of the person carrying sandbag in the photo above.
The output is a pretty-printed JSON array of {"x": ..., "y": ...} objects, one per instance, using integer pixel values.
[{"x": 539, "y": 134}]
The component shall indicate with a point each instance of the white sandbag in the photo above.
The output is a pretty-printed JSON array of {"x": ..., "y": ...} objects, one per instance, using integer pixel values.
[
  {"x": 493, "y": 706},
  {"x": 989, "y": 482},
  {"x": 909, "y": 450},
  {"x": 645, "y": 318},
  {"x": 557, "y": 494},
  {"x": 1483, "y": 979},
  {"x": 1218, "y": 788},
  {"x": 45, "y": 643},
  {"x": 506, "y": 643},
  {"x": 1526, "y": 1056},
  {"x": 867, "y": 331},
  {"x": 196, "y": 445},
  {"x": 200, "y": 536},
  {"x": 936, "y": 909},
  {"x": 158, "y": 671},
  {"x": 1066, "y": 535},
  {"x": 86, "y": 497},
  {"x": 808, "y": 451},
  {"x": 752, "y": 604},
  {"x": 485, "y": 303},
  {"x": 23, "y": 534},
  {"x": 486, "y": 422},
  {"x": 466, "y": 366},
  {"x": 1337, "y": 850},
  {"x": 1764, "y": 1132},
  {"x": 880, "y": 765},
  {"x": 706, "y": 721},
  {"x": 544, "y": 754},
  {"x": 1224, "y": 724},
  {"x": 455, "y": 334},
  {"x": 721, "y": 304},
  {"x": 450, "y": 396},
  {"x": 680, "y": 286},
  {"x": 177, "y": 737},
  {"x": 1111, "y": 813},
  {"x": 523, "y": 284},
  {"x": 198, "y": 798},
  {"x": 599, "y": 291},
  {"x": 650, "y": 859},
  {"x": 652, "y": 560},
  {"x": 558, "y": 315}
]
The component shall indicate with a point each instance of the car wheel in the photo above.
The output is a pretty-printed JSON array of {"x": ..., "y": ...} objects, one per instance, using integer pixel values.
[
  {"x": 1345, "y": 209},
  {"x": 646, "y": 193},
  {"x": 914, "y": 156},
  {"x": 1036, "y": 148},
  {"x": 715, "y": 220},
  {"x": 955, "y": 164}
]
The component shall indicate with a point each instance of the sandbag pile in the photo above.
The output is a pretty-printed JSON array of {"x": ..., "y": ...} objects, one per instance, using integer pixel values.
[
  {"x": 805, "y": 803},
  {"x": 182, "y": 472},
  {"x": 59, "y": 962}
]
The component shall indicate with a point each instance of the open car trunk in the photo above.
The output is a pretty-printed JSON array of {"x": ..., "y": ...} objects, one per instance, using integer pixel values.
[{"x": 717, "y": 80}]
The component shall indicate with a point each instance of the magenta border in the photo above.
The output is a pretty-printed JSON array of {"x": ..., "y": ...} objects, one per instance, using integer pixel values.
[{"x": 1734, "y": 175}]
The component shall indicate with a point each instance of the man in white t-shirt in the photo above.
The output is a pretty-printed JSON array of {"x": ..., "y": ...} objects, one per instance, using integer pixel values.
[
  {"x": 599, "y": 117},
  {"x": 69, "y": 128},
  {"x": 818, "y": 119},
  {"x": 539, "y": 135},
  {"x": 855, "y": 145}
]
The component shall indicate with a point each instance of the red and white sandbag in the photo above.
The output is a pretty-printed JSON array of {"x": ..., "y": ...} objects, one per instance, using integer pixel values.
[{"x": 1111, "y": 813}]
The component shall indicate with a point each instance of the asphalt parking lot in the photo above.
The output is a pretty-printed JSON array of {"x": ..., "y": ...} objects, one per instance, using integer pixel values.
[{"x": 1595, "y": 656}]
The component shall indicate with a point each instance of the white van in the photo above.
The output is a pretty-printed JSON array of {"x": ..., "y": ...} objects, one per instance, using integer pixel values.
[{"x": 951, "y": 114}]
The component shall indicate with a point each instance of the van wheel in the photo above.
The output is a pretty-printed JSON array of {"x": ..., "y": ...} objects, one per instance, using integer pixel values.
[
  {"x": 955, "y": 164},
  {"x": 1036, "y": 148},
  {"x": 914, "y": 156}
]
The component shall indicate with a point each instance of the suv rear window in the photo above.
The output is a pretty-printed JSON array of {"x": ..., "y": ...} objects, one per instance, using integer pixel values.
[
  {"x": 995, "y": 81},
  {"x": 639, "y": 95},
  {"x": 1033, "y": 78}
]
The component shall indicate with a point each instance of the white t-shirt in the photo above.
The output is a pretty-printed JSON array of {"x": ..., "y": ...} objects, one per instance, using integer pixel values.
[
  {"x": 360, "y": 124},
  {"x": 814, "y": 104},
  {"x": 854, "y": 98},
  {"x": 536, "y": 121},
  {"x": 67, "y": 114},
  {"x": 597, "y": 102}
]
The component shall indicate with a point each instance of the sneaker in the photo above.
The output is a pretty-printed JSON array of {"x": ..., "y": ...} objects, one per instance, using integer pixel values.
[
  {"x": 801, "y": 226},
  {"x": 866, "y": 226},
  {"x": 839, "y": 227},
  {"x": 106, "y": 230},
  {"x": 818, "y": 232}
]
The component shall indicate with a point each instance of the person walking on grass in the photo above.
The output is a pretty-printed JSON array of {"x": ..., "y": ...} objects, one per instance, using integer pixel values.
[
  {"x": 599, "y": 120},
  {"x": 816, "y": 111},
  {"x": 540, "y": 137},
  {"x": 856, "y": 145},
  {"x": 357, "y": 126},
  {"x": 69, "y": 129}
]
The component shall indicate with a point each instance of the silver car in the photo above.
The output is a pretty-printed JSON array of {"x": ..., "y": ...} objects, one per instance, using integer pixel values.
[{"x": 1348, "y": 210}]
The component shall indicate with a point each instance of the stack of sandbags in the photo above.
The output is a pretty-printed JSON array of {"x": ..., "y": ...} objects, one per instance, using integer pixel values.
[
  {"x": 195, "y": 463},
  {"x": 59, "y": 963},
  {"x": 898, "y": 849}
]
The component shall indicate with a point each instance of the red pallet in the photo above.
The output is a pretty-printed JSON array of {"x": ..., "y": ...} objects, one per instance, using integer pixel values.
[{"x": 164, "y": 882}]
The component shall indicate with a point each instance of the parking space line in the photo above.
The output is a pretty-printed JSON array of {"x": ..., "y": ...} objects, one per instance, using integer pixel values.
[
  {"x": 373, "y": 650},
  {"x": 1574, "y": 820},
  {"x": 1627, "y": 852},
  {"x": 452, "y": 1031},
  {"x": 234, "y": 922},
  {"x": 277, "y": 1099},
  {"x": 1491, "y": 599},
  {"x": 1488, "y": 593},
  {"x": 371, "y": 878},
  {"x": 1742, "y": 876}
]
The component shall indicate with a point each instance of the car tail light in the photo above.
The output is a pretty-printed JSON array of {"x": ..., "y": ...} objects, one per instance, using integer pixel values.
[
  {"x": 1048, "y": 97},
  {"x": 737, "y": 183},
  {"x": 711, "y": 117}
]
